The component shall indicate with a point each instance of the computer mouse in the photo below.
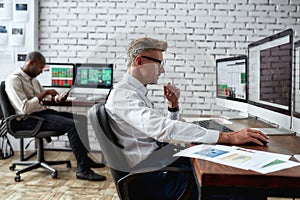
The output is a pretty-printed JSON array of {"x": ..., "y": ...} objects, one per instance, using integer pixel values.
[{"x": 254, "y": 144}]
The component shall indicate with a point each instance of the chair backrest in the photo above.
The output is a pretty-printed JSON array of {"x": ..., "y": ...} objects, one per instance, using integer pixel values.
[
  {"x": 7, "y": 150},
  {"x": 104, "y": 124},
  {"x": 1, "y": 113},
  {"x": 3, "y": 129},
  {"x": 112, "y": 150},
  {"x": 6, "y": 106}
]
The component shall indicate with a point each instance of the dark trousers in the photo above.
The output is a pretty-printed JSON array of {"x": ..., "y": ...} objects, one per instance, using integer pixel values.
[
  {"x": 163, "y": 185},
  {"x": 73, "y": 124}
]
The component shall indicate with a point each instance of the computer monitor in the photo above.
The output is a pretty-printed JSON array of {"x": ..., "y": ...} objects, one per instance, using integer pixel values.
[
  {"x": 270, "y": 78},
  {"x": 93, "y": 78},
  {"x": 57, "y": 75},
  {"x": 296, "y": 96},
  {"x": 231, "y": 77}
]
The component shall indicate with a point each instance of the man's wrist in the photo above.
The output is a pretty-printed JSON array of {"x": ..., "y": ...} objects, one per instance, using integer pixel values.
[
  {"x": 173, "y": 109},
  {"x": 223, "y": 138},
  {"x": 173, "y": 106}
]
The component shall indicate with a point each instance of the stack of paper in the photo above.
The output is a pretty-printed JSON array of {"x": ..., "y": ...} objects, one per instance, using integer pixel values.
[{"x": 259, "y": 161}]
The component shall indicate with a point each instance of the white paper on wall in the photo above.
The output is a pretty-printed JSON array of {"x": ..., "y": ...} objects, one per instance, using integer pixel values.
[
  {"x": 6, "y": 9},
  {"x": 21, "y": 11},
  {"x": 3, "y": 34},
  {"x": 17, "y": 35}
]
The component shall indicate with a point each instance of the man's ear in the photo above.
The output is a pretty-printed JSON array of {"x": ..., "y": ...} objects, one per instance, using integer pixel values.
[
  {"x": 137, "y": 61},
  {"x": 28, "y": 63},
  {"x": 31, "y": 62}
]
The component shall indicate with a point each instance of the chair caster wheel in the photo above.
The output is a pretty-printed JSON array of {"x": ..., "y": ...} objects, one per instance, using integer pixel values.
[
  {"x": 12, "y": 167},
  {"x": 54, "y": 175},
  {"x": 17, "y": 178},
  {"x": 69, "y": 165}
]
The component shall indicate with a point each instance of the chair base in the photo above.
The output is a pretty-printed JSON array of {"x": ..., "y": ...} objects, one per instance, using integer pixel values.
[{"x": 38, "y": 164}]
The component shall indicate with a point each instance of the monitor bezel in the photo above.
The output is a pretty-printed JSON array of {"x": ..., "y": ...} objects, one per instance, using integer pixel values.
[
  {"x": 73, "y": 78},
  {"x": 288, "y": 32},
  {"x": 296, "y": 45},
  {"x": 96, "y": 65},
  {"x": 240, "y": 57}
]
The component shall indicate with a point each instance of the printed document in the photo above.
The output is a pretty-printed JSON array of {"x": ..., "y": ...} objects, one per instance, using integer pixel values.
[{"x": 247, "y": 159}]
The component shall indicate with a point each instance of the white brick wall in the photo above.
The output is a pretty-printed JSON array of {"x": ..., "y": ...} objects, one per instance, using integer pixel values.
[{"x": 198, "y": 31}]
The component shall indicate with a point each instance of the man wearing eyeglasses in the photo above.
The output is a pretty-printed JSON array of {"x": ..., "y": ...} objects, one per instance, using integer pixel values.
[{"x": 145, "y": 132}]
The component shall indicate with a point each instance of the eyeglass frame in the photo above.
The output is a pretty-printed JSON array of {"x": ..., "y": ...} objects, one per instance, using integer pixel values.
[{"x": 160, "y": 62}]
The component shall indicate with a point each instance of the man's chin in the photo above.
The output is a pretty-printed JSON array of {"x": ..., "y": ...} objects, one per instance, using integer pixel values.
[{"x": 153, "y": 83}]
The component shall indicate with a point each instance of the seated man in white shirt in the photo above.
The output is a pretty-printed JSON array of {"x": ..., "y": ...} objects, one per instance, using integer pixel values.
[
  {"x": 26, "y": 94},
  {"x": 141, "y": 129}
]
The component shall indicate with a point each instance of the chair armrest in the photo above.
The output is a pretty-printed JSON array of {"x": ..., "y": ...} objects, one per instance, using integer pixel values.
[{"x": 14, "y": 118}]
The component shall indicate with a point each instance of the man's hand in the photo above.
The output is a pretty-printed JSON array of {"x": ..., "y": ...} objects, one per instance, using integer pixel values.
[
  {"x": 244, "y": 136},
  {"x": 61, "y": 97},
  {"x": 172, "y": 93},
  {"x": 42, "y": 95},
  {"x": 51, "y": 92}
]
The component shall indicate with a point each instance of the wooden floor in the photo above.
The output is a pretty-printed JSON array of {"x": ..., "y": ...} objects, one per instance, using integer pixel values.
[{"x": 38, "y": 184}]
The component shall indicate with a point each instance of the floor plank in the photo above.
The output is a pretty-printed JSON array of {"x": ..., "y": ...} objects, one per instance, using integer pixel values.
[{"x": 38, "y": 184}]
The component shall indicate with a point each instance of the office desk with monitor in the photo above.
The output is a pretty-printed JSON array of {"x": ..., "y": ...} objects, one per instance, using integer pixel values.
[{"x": 219, "y": 179}]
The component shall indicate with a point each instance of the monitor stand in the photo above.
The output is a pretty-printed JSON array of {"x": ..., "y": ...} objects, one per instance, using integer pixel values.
[{"x": 240, "y": 115}]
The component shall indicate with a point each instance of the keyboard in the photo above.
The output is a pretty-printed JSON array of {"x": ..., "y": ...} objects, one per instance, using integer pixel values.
[
  {"x": 212, "y": 124},
  {"x": 71, "y": 98},
  {"x": 95, "y": 98}
]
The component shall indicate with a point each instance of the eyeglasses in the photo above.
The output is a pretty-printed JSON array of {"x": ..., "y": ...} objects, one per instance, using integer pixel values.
[{"x": 160, "y": 62}]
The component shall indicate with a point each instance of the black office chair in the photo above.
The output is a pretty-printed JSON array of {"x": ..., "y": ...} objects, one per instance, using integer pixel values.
[
  {"x": 114, "y": 156},
  {"x": 6, "y": 149},
  {"x": 11, "y": 121}
]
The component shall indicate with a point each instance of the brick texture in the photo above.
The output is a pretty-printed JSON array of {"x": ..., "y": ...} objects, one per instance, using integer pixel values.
[{"x": 198, "y": 32}]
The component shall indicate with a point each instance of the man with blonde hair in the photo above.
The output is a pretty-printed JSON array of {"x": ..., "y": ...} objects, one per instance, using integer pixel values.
[{"x": 142, "y": 130}]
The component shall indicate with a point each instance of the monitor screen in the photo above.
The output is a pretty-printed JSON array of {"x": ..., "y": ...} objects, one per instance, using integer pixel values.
[
  {"x": 297, "y": 80},
  {"x": 270, "y": 72},
  {"x": 231, "y": 78},
  {"x": 57, "y": 75},
  {"x": 296, "y": 96},
  {"x": 94, "y": 75},
  {"x": 270, "y": 63}
]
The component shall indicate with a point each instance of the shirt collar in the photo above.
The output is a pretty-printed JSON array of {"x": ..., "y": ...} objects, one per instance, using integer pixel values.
[
  {"x": 136, "y": 83},
  {"x": 26, "y": 76}
]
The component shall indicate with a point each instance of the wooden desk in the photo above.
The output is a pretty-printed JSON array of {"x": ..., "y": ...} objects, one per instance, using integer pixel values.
[
  {"x": 77, "y": 103},
  {"x": 215, "y": 178}
]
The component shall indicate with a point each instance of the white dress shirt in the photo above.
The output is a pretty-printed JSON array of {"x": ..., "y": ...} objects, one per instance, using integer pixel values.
[
  {"x": 22, "y": 91},
  {"x": 138, "y": 125}
]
